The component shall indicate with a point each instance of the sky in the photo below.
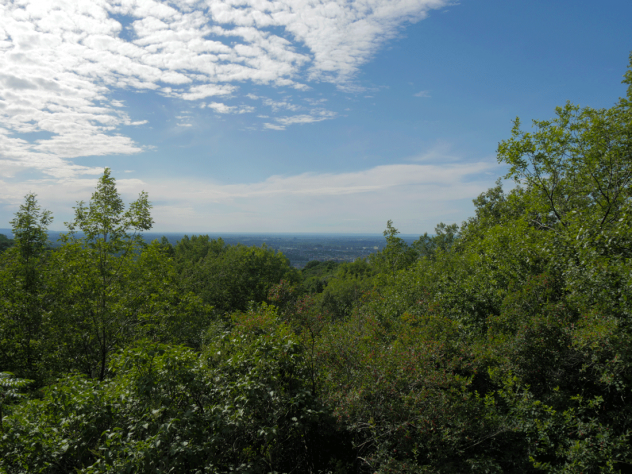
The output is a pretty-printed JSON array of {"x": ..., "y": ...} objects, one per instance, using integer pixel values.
[{"x": 289, "y": 115}]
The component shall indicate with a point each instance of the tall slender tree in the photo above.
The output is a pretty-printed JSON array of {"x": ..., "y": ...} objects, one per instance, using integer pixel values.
[
  {"x": 22, "y": 299},
  {"x": 95, "y": 267}
]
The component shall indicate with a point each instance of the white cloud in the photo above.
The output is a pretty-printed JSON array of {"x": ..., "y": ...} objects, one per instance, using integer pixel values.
[
  {"x": 341, "y": 36},
  {"x": 61, "y": 61},
  {"x": 315, "y": 102},
  {"x": 273, "y": 126},
  {"x": 416, "y": 196},
  {"x": 316, "y": 116},
  {"x": 278, "y": 105},
  {"x": 422, "y": 94},
  {"x": 221, "y": 108},
  {"x": 440, "y": 153},
  {"x": 299, "y": 119},
  {"x": 368, "y": 181},
  {"x": 203, "y": 91}
]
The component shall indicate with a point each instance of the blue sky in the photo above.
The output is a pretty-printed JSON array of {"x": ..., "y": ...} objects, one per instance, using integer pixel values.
[{"x": 289, "y": 115}]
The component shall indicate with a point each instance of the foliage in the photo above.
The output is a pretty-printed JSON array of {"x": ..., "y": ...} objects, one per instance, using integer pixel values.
[
  {"x": 395, "y": 256},
  {"x": 10, "y": 389},
  {"x": 94, "y": 273},
  {"x": 166, "y": 312},
  {"x": 189, "y": 251},
  {"x": 23, "y": 299},
  {"x": 346, "y": 290},
  {"x": 230, "y": 277},
  {"x": 29, "y": 228},
  {"x": 5, "y": 243},
  {"x": 443, "y": 240},
  {"x": 316, "y": 275},
  {"x": 407, "y": 393},
  {"x": 105, "y": 223},
  {"x": 242, "y": 406}
]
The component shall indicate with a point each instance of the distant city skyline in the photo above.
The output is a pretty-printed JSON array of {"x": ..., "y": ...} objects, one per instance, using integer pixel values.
[{"x": 289, "y": 116}]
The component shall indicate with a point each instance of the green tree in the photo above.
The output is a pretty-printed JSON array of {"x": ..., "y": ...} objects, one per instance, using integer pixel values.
[
  {"x": 166, "y": 245},
  {"x": 443, "y": 240},
  {"x": 10, "y": 387},
  {"x": 316, "y": 275},
  {"x": 189, "y": 251},
  {"x": 106, "y": 226},
  {"x": 95, "y": 275},
  {"x": 576, "y": 175},
  {"x": 345, "y": 290},
  {"x": 575, "y": 167},
  {"x": 23, "y": 296},
  {"x": 166, "y": 312},
  {"x": 397, "y": 254},
  {"x": 231, "y": 277},
  {"x": 5, "y": 242},
  {"x": 244, "y": 405}
]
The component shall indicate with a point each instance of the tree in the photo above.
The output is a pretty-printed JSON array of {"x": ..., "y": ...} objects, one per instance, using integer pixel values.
[
  {"x": 229, "y": 277},
  {"x": 5, "y": 242},
  {"x": 396, "y": 255},
  {"x": 316, "y": 275},
  {"x": 576, "y": 174},
  {"x": 23, "y": 298},
  {"x": 245, "y": 406},
  {"x": 345, "y": 290},
  {"x": 10, "y": 387},
  {"x": 189, "y": 251},
  {"x": 30, "y": 228},
  {"x": 446, "y": 235},
  {"x": 94, "y": 273},
  {"x": 105, "y": 223},
  {"x": 575, "y": 167}
]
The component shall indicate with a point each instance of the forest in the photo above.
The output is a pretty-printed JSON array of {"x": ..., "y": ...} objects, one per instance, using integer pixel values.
[{"x": 498, "y": 345}]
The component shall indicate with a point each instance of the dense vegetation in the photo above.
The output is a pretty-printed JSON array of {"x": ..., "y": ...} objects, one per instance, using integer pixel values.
[
  {"x": 501, "y": 345},
  {"x": 5, "y": 242}
]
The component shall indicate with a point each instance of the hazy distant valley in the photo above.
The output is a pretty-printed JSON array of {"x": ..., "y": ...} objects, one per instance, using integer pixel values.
[{"x": 298, "y": 248}]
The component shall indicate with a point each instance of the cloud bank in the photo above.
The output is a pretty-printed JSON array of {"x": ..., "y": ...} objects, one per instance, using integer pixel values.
[{"x": 416, "y": 196}]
